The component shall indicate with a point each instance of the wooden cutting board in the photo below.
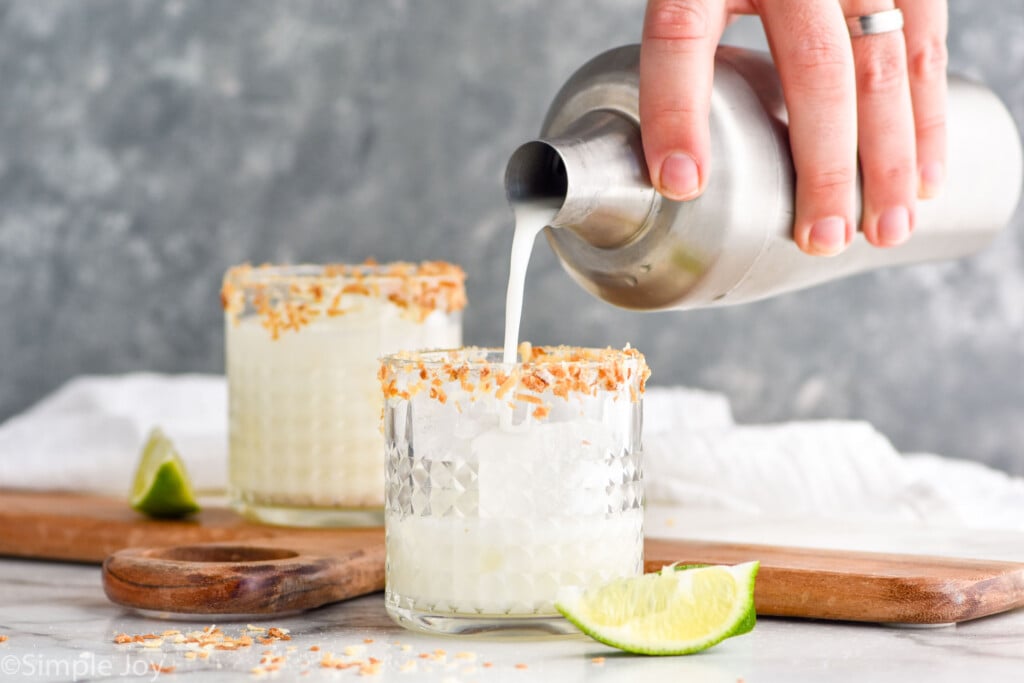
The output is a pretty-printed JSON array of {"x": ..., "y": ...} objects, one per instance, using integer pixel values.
[
  {"x": 84, "y": 528},
  {"x": 219, "y": 564}
]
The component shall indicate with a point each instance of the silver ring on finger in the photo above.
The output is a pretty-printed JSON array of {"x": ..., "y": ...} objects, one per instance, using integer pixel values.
[{"x": 873, "y": 24}]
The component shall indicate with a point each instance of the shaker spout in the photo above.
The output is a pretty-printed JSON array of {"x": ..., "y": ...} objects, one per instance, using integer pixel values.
[{"x": 595, "y": 173}]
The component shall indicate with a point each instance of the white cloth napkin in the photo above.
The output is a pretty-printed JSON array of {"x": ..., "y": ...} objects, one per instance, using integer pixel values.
[{"x": 86, "y": 436}]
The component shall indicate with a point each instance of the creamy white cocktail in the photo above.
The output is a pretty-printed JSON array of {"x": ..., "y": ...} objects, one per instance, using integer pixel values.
[
  {"x": 506, "y": 482},
  {"x": 302, "y": 346}
]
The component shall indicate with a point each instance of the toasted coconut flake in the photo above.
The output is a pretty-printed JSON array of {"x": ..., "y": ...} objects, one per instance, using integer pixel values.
[
  {"x": 287, "y": 298},
  {"x": 559, "y": 372}
]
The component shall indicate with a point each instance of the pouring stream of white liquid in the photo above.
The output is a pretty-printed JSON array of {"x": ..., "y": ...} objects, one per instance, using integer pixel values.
[{"x": 530, "y": 219}]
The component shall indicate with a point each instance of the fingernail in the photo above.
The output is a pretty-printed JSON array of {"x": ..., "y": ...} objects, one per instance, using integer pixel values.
[
  {"x": 933, "y": 174},
  {"x": 680, "y": 177},
  {"x": 894, "y": 226},
  {"x": 828, "y": 236}
]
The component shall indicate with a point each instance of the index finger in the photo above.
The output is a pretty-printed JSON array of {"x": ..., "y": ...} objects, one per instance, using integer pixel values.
[{"x": 677, "y": 57}]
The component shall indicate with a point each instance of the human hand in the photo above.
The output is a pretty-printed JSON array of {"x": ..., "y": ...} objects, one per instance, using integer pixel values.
[{"x": 845, "y": 96}]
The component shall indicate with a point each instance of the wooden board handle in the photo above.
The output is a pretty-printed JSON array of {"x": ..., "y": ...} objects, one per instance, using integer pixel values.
[
  {"x": 231, "y": 579},
  {"x": 859, "y": 586}
]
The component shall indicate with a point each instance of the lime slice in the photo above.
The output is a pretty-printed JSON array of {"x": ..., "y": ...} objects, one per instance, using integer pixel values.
[
  {"x": 162, "y": 487},
  {"x": 673, "y": 612}
]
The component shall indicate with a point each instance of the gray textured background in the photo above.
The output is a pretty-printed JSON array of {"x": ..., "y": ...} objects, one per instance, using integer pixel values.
[{"x": 147, "y": 145}]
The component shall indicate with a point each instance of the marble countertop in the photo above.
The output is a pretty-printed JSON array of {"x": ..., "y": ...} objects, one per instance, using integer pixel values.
[{"x": 59, "y": 626}]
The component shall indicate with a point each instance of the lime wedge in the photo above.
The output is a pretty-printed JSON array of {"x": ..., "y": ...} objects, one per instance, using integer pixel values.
[
  {"x": 162, "y": 487},
  {"x": 673, "y": 612}
]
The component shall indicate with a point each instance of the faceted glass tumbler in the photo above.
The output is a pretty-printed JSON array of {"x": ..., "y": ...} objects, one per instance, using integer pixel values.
[
  {"x": 302, "y": 347},
  {"x": 505, "y": 483}
]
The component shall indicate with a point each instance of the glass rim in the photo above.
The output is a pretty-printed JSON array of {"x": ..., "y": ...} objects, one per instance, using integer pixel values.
[
  {"x": 248, "y": 275},
  {"x": 490, "y": 356},
  {"x": 290, "y": 296},
  {"x": 556, "y": 372}
]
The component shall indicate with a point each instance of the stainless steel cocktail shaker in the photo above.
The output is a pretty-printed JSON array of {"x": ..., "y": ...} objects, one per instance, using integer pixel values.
[{"x": 630, "y": 246}]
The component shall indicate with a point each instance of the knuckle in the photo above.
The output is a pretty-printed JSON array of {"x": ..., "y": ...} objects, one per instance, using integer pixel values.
[
  {"x": 679, "y": 20},
  {"x": 672, "y": 113},
  {"x": 828, "y": 183},
  {"x": 817, "y": 47},
  {"x": 881, "y": 70},
  {"x": 893, "y": 176},
  {"x": 931, "y": 124},
  {"x": 928, "y": 59},
  {"x": 818, "y": 63},
  {"x": 676, "y": 121}
]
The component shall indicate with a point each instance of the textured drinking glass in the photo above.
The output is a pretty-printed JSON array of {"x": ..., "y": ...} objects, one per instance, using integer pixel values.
[
  {"x": 302, "y": 345},
  {"x": 506, "y": 482}
]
